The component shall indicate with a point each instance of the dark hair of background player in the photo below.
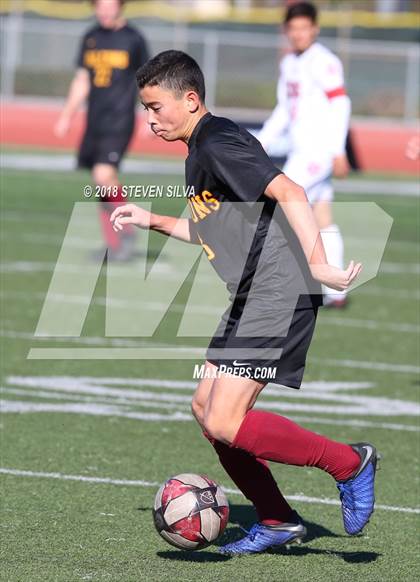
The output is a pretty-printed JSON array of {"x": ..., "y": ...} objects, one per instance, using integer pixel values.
[
  {"x": 173, "y": 70},
  {"x": 306, "y": 9}
]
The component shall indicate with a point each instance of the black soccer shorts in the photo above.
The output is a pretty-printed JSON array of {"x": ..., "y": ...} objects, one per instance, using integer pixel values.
[
  {"x": 286, "y": 369},
  {"x": 102, "y": 149}
]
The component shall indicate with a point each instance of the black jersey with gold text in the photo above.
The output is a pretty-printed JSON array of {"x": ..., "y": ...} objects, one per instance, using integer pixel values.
[
  {"x": 245, "y": 235},
  {"x": 112, "y": 58}
]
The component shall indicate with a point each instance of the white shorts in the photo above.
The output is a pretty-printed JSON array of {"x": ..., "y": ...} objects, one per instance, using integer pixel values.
[{"x": 314, "y": 175}]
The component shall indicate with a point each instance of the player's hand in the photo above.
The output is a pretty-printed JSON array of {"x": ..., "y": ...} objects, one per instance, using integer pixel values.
[
  {"x": 337, "y": 279},
  {"x": 341, "y": 166},
  {"x": 130, "y": 214},
  {"x": 62, "y": 127}
]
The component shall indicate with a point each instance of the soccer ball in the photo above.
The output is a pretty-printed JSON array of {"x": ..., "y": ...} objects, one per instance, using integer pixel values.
[{"x": 190, "y": 511}]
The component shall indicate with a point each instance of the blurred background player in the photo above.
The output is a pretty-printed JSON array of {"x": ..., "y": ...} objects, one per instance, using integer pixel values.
[
  {"x": 313, "y": 107},
  {"x": 412, "y": 150},
  {"x": 110, "y": 54}
]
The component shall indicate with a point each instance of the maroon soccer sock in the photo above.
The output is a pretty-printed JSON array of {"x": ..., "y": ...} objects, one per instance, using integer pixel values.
[
  {"x": 253, "y": 477},
  {"x": 112, "y": 240},
  {"x": 107, "y": 205},
  {"x": 275, "y": 438},
  {"x": 119, "y": 200}
]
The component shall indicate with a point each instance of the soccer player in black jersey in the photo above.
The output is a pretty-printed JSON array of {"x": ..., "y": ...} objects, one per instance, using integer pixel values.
[
  {"x": 259, "y": 233},
  {"x": 110, "y": 53}
]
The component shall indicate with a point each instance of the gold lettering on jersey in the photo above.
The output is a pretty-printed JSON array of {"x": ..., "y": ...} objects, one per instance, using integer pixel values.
[
  {"x": 211, "y": 200},
  {"x": 103, "y": 62},
  {"x": 209, "y": 252},
  {"x": 202, "y": 205},
  {"x": 193, "y": 214}
]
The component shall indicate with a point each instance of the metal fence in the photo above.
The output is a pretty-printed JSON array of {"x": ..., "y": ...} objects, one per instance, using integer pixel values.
[{"x": 241, "y": 68}]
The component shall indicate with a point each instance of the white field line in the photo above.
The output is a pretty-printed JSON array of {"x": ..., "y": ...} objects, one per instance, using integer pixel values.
[
  {"x": 66, "y": 163},
  {"x": 183, "y": 352},
  {"x": 38, "y": 219},
  {"x": 100, "y": 391},
  {"x": 358, "y": 364},
  {"x": 343, "y": 403},
  {"x": 199, "y": 309},
  {"x": 183, "y": 384},
  {"x": 379, "y": 187},
  {"x": 400, "y": 268},
  {"x": 271, "y": 389},
  {"x": 404, "y": 244},
  {"x": 155, "y": 485},
  {"x": 388, "y": 268},
  {"x": 44, "y": 266},
  {"x": 113, "y": 342},
  {"x": 47, "y": 240},
  {"x": 388, "y": 293},
  {"x": 356, "y": 423},
  {"x": 89, "y": 382},
  {"x": 39, "y": 267},
  {"x": 50, "y": 395},
  {"x": 52, "y": 381},
  {"x": 366, "y": 324},
  {"x": 78, "y": 340},
  {"x": 160, "y": 269},
  {"x": 116, "y": 303},
  {"x": 35, "y": 238},
  {"x": 66, "y": 388},
  {"x": 83, "y": 243},
  {"x": 96, "y": 410},
  {"x": 370, "y": 409},
  {"x": 15, "y": 406},
  {"x": 79, "y": 243}
]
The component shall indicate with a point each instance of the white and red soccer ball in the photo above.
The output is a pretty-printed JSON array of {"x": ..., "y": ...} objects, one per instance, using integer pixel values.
[{"x": 190, "y": 511}]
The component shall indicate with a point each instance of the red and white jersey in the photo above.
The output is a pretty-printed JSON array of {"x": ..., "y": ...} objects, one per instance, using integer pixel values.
[{"x": 311, "y": 104}]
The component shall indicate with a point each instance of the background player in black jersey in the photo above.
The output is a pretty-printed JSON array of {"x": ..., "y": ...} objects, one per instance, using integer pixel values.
[
  {"x": 227, "y": 165},
  {"x": 110, "y": 53}
]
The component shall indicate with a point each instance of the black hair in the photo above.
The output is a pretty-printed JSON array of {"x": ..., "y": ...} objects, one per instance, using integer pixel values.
[
  {"x": 306, "y": 9},
  {"x": 174, "y": 70}
]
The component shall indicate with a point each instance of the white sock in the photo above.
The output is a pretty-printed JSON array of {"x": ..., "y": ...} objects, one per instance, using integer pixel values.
[{"x": 334, "y": 249}]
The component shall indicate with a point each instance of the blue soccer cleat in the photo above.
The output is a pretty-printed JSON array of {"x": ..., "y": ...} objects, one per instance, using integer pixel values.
[
  {"x": 357, "y": 494},
  {"x": 262, "y": 537}
]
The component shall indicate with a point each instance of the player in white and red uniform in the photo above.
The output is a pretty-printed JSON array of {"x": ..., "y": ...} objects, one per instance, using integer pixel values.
[{"x": 313, "y": 107}]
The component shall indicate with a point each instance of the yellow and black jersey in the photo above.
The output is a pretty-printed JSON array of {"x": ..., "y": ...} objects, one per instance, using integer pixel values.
[
  {"x": 112, "y": 58},
  {"x": 245, "y": 234}
]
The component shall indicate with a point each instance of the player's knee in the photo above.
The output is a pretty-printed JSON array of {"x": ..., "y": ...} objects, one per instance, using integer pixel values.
[
  {"x": 103, "y": 175},
  {"x": 99, "y": 176},
  {"x": 218, "y": 429},
  {"x": 198, "y": 411}
]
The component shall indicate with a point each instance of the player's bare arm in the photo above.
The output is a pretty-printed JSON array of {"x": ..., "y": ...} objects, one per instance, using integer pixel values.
[
  {"x": 295, "y": 205},
  {"x": 179, "y": 228},
  {"x": 78, "y": 93},
  {"x": 341, "y": 166}
]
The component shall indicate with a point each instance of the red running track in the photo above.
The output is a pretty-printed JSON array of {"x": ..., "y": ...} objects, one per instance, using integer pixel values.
[{"x": 379, "y": 147}]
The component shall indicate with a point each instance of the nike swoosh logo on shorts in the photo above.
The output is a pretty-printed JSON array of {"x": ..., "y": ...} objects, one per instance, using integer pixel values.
[{"x": 236, "y": 363}]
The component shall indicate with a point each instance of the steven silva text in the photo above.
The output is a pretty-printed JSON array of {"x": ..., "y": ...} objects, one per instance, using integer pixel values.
[
  {"x": 144, "y": 191},
  {"x": 236, "y": 369}
]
